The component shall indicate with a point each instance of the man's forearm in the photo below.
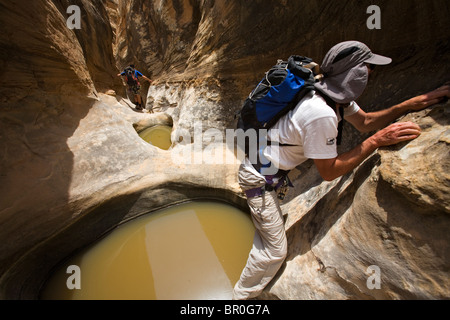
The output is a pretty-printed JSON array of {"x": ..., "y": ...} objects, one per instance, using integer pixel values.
[
  {"x": 380, "y": 119},
  {"x": 334, "y": 168},
  {"x": 331, "y": 169}
]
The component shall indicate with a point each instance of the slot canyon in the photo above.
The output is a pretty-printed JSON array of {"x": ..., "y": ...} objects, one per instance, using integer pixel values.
[{"x": 73, "y": 167}]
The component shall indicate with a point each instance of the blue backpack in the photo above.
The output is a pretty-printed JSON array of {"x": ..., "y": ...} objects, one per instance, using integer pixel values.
[
  {"x": 283, "y": 86},
  {"x": 131, "y": 78}
]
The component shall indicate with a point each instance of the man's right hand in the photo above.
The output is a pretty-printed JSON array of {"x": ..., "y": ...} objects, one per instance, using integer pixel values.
[
  {"x": 396, "y": 133},
  {"x": 331, "y": 169}
]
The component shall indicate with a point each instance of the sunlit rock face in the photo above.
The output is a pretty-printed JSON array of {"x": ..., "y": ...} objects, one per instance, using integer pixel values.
[
  {"x": 50, "y": 78},
  {"x": 73, "y": 166}
]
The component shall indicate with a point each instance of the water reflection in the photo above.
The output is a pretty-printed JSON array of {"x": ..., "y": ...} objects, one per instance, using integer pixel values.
[{"x": 193, "y": 251}]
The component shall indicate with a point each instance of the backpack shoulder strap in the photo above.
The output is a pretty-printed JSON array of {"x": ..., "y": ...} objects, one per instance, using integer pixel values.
[{"x": 330, "y": 102}]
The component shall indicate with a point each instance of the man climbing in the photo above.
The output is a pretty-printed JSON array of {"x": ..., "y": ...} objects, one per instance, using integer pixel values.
[
  {"x": 134, "y": 87},
  {"x": 309, "y": 132}
]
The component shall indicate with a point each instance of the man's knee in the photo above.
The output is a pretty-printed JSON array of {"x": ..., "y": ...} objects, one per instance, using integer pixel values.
[
  {"x": 279, "y": 251},
  {"x": 274, "y": 256},
  {"x": 280, "y": 254}
]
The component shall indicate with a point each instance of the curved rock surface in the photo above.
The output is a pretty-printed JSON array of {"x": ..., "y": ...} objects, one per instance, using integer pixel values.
[
  {"x": 72, "y": 165},
  {"x": 391, "y": 213}
]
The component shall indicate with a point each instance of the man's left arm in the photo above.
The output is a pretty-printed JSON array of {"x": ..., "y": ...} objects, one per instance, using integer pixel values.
[
  {"x": 331, "y": 169},
  {"x": 145, "y": 78},
  {"x": 139, "y": 74},
  {"x": 368, "y": 122}
]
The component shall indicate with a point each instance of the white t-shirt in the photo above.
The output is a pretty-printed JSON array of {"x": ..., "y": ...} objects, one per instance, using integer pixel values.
[{"x": 311, "y": 128}]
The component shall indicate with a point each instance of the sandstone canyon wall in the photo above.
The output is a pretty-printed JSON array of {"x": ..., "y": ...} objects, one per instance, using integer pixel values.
[{"x": 73, "y": 167}]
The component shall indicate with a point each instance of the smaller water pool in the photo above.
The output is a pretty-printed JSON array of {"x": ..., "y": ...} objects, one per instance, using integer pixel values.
[{"x": 158, "y": 136}]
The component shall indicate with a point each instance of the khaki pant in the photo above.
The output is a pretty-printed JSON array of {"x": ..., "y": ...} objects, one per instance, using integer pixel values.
[{"x": 269, "y": 244}]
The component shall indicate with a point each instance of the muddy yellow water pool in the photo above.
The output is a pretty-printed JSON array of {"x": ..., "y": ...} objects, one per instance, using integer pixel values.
[
  {"x": 158, "y": 136},
  {"x": 190, "y": 251}
]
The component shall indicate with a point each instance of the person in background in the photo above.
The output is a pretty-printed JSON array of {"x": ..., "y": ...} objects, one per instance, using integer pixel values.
[{"x": 133, "y": 85}]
